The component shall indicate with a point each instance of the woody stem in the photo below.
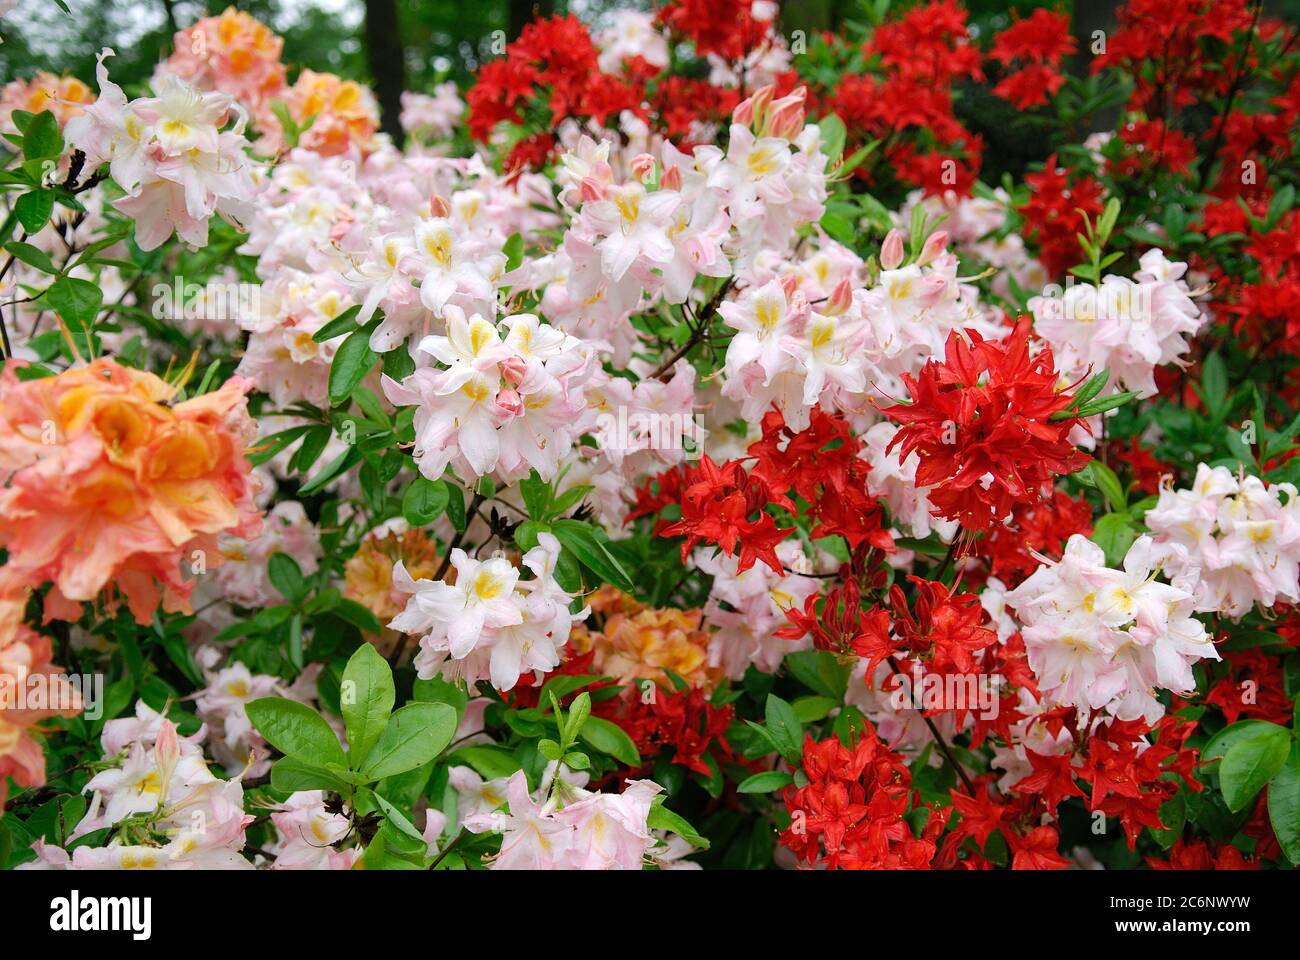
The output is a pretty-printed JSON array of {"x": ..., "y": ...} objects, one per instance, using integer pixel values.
[{"x": 938, "y": 738}]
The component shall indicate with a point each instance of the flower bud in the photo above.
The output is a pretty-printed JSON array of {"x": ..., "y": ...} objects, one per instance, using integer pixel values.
[
  {"x": 643, "y": 167},
  {"x": 935, "y": 244},
  {"x": 891, "y": 251}
]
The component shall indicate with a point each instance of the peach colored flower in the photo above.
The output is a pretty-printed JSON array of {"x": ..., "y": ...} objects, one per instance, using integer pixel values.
[
  {"x": 234, "y": 54},
  {"x": 368, "y": 575},
  {"x": 25, "y": 654},
  {"x": 345, "y": 113},
  {"x": 106, "y": 483},
  {"x": 45, "y": 91},
  {"x": 637, "y": 642}
]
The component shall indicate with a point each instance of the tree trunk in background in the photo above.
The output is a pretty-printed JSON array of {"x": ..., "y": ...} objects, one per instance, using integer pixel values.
[
  {"x": 523, "y": 12},
  {"x": 1089, "y": 17},
  {"x": 387, "y": 61},
  {"x": 169, "y": 9}
]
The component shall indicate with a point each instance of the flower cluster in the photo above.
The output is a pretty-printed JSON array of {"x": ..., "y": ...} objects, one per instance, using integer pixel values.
[
  {"x": 490, "y": 623},
  {"x": 1236, "y": 538},
  {"x": 172, "y": 154},
  {"x": 111, "y": 487},
  {"x": 1103, "y": 639}
]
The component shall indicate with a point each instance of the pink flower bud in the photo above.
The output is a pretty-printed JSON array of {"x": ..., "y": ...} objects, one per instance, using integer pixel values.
[
  {"x": 840, "y": 300},
  {"x": 789, "y": 284},
  {"x": 509, "y": 405},
  {"x": 643, "y": 167},
  {"x": 935, "y": 244},
  {"x": 438, "y": 206},
  {"x": 785, "y": 119},
  {"x": 167, "y": 753},
  {"x": 513, "y": 370},
  {"x": 592, "y": 190},
  {"x": 891, "y": 251},
  {"x": 672, "y": 178}
]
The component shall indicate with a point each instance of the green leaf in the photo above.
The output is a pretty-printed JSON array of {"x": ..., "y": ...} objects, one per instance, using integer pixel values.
[
  {"x": 286, "y": 576},
  {"x": 1229, "y": 736},
  {"x": 661, "y": 818},
  {"x": 812, "y": 709},
  {"x": 579, "y": 714},
  {"x": 1284, "y": 804},
  {"x": 1214, "y": 383},
  {"x": 32, "y": 256},
  {"x": 366, "y": 698},
  {"x": 342, "y": 462},
  {"x": 456, "y": 506},
  {"x": 833, "y": 136},
  {"x": 537, "y": 496},
  {"x": 76, "y": 301},
  {"x": 766, "y": 782},
  {"x": 33, "y": 209},
  {"x": 785, "y": 728},
  {"x": 609, "y": 738},
  {"x": 1104, "y": 479},
  {"x": 296, "y": 730},
  {"x": 352, "y": 361},
  {"x": 424, "y": 501},
  {"x": 42, "y": 139},
  {"x": 1114, "y": 533},
  {"x": 581, "y": 540},
  {"x": 820, "y": 671},
  {"x": 345, "y": 322},
  {"x": 1250, "y": 764},
  {"x": 290, "y": 775},
  {"x": 415, "y": 735},
  {"x": 357, "y": 615},
  {"x": 491, "y": 763},
  {"x": 514, "y": 251}
]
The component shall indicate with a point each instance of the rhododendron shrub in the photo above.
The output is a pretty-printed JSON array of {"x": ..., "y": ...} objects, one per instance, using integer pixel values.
[{"x": 695, "y": 446}]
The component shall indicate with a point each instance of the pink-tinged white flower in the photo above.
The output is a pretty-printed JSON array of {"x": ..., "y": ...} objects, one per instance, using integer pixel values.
[
  {"x": 505, "y": 405},
  {"x": 447, "y": 261},
  {"x": 609, "y": 830},
  {"x": 631, "y": 224},
  {"x": 475, "y": 796},
  {"x": 748, "y": 608},
  {"x": 432, "y": 117},
  {"x": 596, "y": 831},
  {"x": 631, "y": 33},
  {"x": 308, "y": 835},
  {"x": 286, "y": 529},
  {"x": 532, "y": 837},
  {"x": 281, "y": 357},
  {"x": 895, "y": 484},
  {"x": 1129, "y": 327},
  {"x": 1103, "y": 639},
  {"x": 171, "y": 154},
  {"x": 221, "y": 706},
  {"x": 1237, "y": 538},
  {"x": 490, "y": 624}
]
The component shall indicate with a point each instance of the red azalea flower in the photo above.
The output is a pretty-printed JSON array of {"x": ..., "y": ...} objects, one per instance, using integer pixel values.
[
  {"x": 724, "y": 505},
  {"x": 1052, "y": 214},
  {"x": 850, "y": 814},
  {"x": 980, "y": 424}
]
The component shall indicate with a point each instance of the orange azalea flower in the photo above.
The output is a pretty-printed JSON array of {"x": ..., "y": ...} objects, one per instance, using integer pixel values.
[
  {"x": 25, "y": 654},
  {"x": 234, "y": 54},
  {"x": 369, "y": 574},
  {"x": 638, "y": 642},
  {"x": 45, "y": 91},
  {"x": 108, "y": 484},
  {"x": 345, "y": 113}
]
